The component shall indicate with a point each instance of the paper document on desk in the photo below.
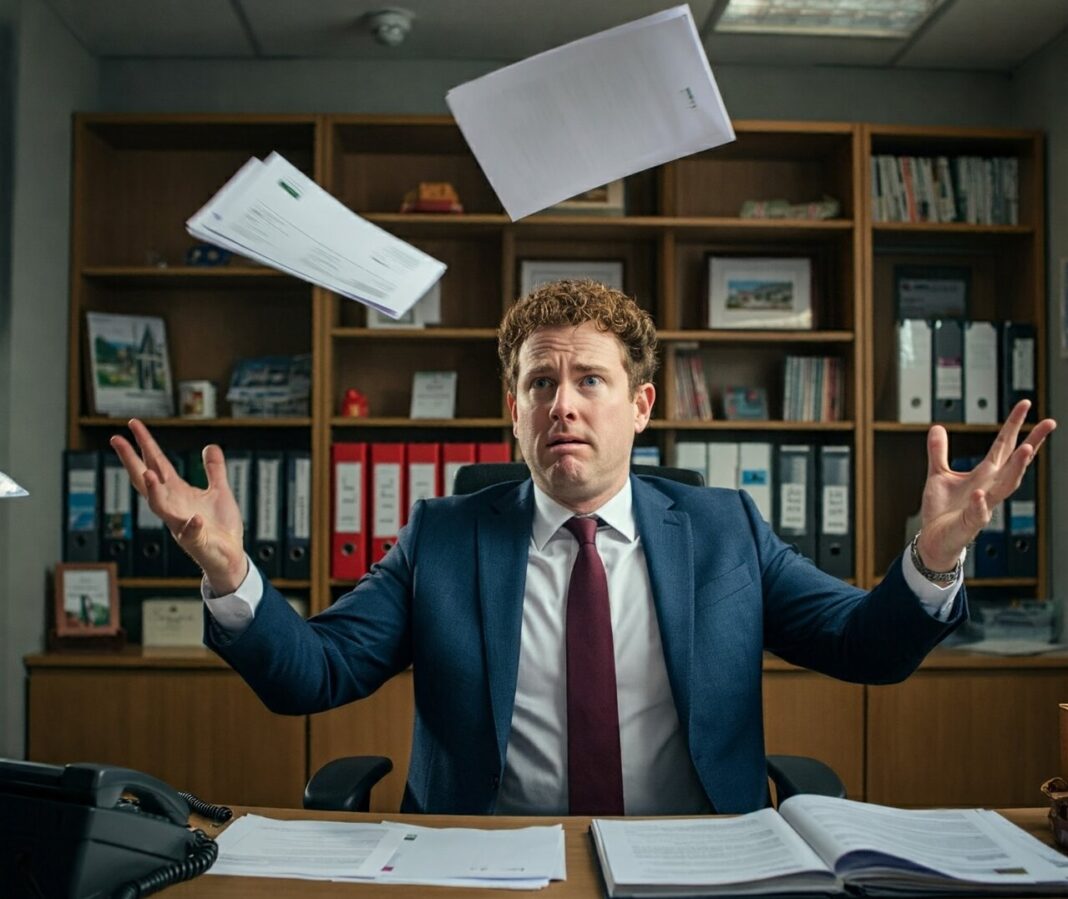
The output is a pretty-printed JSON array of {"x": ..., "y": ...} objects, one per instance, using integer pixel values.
[
  {"x": 273, "y": 213},
  {"x": 603, "y": 107},
  {"x": 522, "y": 858},
  {"x": 254, "y": 846}
]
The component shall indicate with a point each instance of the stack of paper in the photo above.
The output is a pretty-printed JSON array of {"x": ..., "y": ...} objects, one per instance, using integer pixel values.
[
  {"x": 273, "y": 213},
  {"x": 9, "y": 488},
  {"x": 595, "y": 110},
  {"x": 522, "y": 859}
]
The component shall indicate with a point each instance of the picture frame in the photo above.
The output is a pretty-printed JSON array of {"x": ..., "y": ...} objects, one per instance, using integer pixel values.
[
  {"x": 426, "y": 311},
  {"x": 760, "y": 292},
  {"x": 535, "y": 272},
  {"x": 130, "y": 370},
  {"x": 741, "y": 403},
  {"x": 86, "y": 600},
  {"x": 607, "y": 199},
  {"x": 931, "y": 291}
]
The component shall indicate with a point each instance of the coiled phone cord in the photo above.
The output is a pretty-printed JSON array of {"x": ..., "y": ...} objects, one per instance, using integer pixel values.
[{"x": 202, "y": 856}]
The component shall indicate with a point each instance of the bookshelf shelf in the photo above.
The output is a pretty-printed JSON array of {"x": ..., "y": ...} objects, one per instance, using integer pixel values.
[
  {"x": 100, "y": 421},
  {"x": 758, "y": 337},
  {"x": 164, "y": 583},
  {"x": 430, "y": 334},
  {"x": 721, "y": 425},
  {"x": 952, "y": 427},
  {"x": 419, "y": 423}
]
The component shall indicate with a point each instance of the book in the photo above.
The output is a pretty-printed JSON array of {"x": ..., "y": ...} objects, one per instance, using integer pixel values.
[{"x": 819, "y": 844}]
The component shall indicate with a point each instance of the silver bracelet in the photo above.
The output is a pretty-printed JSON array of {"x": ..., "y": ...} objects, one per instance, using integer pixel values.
[{"x": 937, "y": 577}]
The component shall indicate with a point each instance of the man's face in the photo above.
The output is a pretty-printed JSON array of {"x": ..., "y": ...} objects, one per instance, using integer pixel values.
[{"x": 574, "y": 415}]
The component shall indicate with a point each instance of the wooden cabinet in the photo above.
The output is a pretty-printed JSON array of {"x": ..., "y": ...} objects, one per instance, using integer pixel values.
[
  {"x": 137, "y": 178},
  {"x": 182, "y": 717},
  {"x": 966, "y": 730}
]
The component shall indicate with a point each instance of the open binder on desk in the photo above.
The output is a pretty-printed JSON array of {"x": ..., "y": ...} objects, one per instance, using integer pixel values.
[{"x": 821, "y": 845}]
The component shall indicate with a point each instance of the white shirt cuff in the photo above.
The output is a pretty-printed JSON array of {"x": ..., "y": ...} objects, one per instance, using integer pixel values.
[
  {"x": 936, "y": 600},
  {"x": 235, "y": 611}
]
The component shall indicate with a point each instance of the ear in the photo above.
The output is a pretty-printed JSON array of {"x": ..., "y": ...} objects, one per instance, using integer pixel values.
[
  {"x": 643, "y": 406},
  {"x": 510, "y": 399}
]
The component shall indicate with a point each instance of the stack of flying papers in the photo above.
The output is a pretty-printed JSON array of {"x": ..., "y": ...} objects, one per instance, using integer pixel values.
[{"x": 273, "y": 213}]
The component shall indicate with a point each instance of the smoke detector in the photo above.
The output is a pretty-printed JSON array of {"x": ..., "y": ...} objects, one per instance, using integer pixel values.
[{"x": 390, "y": 26}]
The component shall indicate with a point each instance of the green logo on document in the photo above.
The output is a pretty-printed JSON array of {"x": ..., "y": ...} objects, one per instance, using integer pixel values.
[{"x": 289, "y": 189}]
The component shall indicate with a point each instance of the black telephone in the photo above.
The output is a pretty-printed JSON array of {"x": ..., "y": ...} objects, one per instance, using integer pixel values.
[{"x": 73, "y": 831}]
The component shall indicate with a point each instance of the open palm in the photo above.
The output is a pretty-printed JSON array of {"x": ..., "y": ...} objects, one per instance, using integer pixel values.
[
  {"x": 206, "y": 523},
  {"x": 957, "y": 505}
]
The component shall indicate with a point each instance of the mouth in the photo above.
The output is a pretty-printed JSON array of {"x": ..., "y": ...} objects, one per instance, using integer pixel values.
[{"x": 565, "y": 443}]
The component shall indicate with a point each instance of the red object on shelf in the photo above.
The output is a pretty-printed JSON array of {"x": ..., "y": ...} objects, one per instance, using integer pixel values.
[
  {"x": 432, "y": 196},
  {"x": 354, "y": 404}
]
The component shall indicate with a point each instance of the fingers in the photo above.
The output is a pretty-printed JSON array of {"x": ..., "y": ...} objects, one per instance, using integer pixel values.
[
  {"x": 215, "y": 467},
  {"x": 937, "y": 451},
  {"x": 135, "y": 468},
  {"x": 1040, "y": 432},
  {"x": 153, "y": 456},
  {"x": 1004, "y": 444}
]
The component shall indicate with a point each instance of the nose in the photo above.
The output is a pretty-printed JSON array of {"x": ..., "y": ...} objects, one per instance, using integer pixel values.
[{"x": 563, "y": 407}]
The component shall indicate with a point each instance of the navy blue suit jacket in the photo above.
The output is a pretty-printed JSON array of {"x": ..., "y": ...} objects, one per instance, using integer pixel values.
[{"x": 448, "y": 600}]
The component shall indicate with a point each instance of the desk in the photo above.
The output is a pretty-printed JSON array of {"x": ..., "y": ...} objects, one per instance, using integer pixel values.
[{"x": 583, "y": 873}]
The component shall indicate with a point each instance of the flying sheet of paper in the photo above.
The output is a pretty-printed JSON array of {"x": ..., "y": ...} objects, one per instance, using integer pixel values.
[
  {"x": 273, "y": 213},
  {"x": 600, "y": 108},
  {"x": 9, "y": 488}
]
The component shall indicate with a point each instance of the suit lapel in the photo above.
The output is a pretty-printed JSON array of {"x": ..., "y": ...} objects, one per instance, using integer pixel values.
[
  {"x": 668, "y": 544},
  {"x": 503, "y": 548}
]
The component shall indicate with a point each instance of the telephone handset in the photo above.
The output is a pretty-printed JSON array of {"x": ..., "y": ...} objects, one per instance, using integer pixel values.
[{"x": 73, "y": 831}]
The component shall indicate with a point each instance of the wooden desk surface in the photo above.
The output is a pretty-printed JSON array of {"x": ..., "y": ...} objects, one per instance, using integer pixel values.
[{"x": 583, "y": 873}]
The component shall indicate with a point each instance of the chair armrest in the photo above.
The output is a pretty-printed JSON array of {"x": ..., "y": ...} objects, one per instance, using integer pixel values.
[
  {"x": 344, "y": 785},
  {"x": 793, "y": 774}
]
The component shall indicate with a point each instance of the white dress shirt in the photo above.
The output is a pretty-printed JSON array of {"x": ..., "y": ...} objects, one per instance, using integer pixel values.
[{"x": 658, "y": 775}]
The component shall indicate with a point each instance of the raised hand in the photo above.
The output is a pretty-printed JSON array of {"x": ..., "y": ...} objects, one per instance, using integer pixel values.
[
  {"x": 957, "y": 505},
  {"x": 205, "y": 523}
]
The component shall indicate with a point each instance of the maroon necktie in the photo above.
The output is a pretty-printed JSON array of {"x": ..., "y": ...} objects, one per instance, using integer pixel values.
[{"x": 594, "y": 767}]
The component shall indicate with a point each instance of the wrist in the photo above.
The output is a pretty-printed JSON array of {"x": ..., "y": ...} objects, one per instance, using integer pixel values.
[
  {"x": 226, "y": 580},
  {"x": 934, "y": 568}
]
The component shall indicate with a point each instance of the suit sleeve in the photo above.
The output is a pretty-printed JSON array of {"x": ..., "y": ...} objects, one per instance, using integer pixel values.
[
  {"x": 347, "y": 652},
  {"x": 817, "y": 621}
]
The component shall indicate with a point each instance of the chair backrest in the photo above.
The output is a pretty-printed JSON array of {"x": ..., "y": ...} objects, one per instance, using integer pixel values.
[{"x": 470, "y": 478}]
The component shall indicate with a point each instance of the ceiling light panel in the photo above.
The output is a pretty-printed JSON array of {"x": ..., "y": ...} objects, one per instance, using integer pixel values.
[{"x": 838, "y": 18}]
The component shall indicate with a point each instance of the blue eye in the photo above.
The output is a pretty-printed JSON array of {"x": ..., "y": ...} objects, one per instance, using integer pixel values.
[
  {"x": 591, "y": 380},
  {"x": 540, "y": 383}
]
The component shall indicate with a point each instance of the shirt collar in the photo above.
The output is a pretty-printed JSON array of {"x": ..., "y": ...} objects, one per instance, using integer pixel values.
[{"x": 550, "y": 516}]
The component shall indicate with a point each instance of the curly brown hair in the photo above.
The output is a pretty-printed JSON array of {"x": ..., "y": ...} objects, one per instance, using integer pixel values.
[{"x": 574, "y": 302}]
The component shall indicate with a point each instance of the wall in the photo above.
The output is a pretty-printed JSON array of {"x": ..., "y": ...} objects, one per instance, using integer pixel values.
[
  {"x": 53, "y": 76},
  {"x": 1040, "y": 101},
  {"x": 419, "y": 87}
]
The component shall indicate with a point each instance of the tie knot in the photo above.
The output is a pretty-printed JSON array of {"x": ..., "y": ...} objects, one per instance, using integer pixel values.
[{"x": 584, "y": 529}]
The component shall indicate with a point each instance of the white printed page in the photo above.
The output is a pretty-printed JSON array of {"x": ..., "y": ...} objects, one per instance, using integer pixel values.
[
  {"x": 274, "y": 213},
  {"x": 600, "y": 108},
  {"x": 709, "y": 852},
  {"x": 254, "y": 846},
  {"x": 870, "y": 843}
]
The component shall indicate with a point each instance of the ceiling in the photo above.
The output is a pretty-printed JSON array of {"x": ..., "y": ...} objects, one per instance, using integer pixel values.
[{"x": 985, "y": 35}]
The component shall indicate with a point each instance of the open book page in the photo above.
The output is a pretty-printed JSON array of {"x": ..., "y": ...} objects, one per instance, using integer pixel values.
[
  {"x": 922, "y": 847},
  {"x": 706, "y": 853}
]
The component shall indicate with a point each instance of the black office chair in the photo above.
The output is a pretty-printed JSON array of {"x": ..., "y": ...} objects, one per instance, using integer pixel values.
[{"x": 345, "y": 784}]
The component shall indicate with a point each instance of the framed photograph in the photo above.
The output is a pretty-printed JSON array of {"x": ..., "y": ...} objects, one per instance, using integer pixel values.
[
  {"x": 433, "y": 394},
  {"x": 426, "y": 311},
  {"x": 760, "y": 292},
  {"x": 535, "y": 272},
  {"x": 608, "y": 199},
  {"x": 129, "y": 366},
  {"x": 931, "y": 291},
  {"x": 745, "y": 403},
  {"x": 87, "y": 599}
]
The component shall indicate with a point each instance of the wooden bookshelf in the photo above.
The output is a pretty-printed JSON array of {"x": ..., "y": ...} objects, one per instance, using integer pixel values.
[{"x": 137, "y": 178}]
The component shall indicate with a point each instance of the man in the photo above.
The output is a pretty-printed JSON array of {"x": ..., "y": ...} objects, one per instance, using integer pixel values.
[{"x": 519, "y": 707}]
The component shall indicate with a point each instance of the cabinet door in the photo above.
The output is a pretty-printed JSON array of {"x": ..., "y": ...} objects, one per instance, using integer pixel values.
[
  {"x": 381, "y": 724},
  {"x": 809, "y": 714},
  {"x": 204, "y": 732},
  {"x": 964, "y": 737}
]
